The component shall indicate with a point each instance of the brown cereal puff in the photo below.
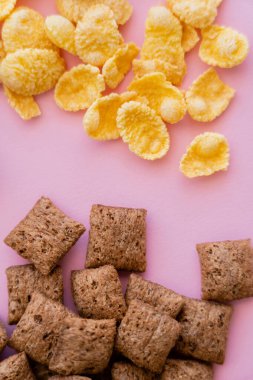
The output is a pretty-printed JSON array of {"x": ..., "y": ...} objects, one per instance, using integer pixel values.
[
  {"x": 83, "y": 346},
  {"x": 98, "y": 294},
  {"x": 204, "y": 330},
  {"x": 37, "y": 328},
  {"x": 128, "y": 371},
  {"x": 23, "y": 280},
  {"x": 3, "y": 337},
  {"x": 16, "y": 367},
  {"x": 146, "y": 336},
  {"x": 227, "y": 270},
  {"x": 45, "y": 235},
  {"x": 117, "y": 237},
  {"x": 162, "y": 299},
  {"x": 186, "y": 370}
]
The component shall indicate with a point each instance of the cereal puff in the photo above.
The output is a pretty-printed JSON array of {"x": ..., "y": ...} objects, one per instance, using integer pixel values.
[{"x": 61, "y": 32}]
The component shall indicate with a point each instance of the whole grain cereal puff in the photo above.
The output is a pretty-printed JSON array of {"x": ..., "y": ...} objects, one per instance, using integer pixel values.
[
  {"x": 116, "y": 67},
  {"x": 143, "y": 130},
  {"x": 25, "y": 106},
  {"x": 6, "y": 7},
  {"x": 208, "y": 97},
  {"x": 61, "y": 32},
  {"x": 190, "y": 37},
  {"x": 24, "y": 28},
  {"x": 97, "y": 37},
  {"x": 31, "y": 71},
  {"x": 208, "y": 153},
  {"x": 167, "y": 100},
  {"x": 74, "y": 9},
  {"x": 223, "y": 47},
  {"x": 79, "y": 87}
]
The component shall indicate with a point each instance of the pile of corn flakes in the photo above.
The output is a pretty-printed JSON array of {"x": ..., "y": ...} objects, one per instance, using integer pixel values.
[{"x": 31, "y": 63}]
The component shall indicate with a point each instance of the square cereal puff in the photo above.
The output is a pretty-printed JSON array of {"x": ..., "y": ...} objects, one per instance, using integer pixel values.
[
  {"x": 16, "y": 367},
  {"x": 3, "y": 337},
  {"x": 37, "y": 328},
  {"x": 45, "y": 235},
  {"x": 187, "y": 370},
  {"x": 23, "y": 280},
  {"x": 146, "y": 336},
  {"x": 98, "y": 293},
  {"x": 204, "y": 330},
  {"x": 128, "y": 371},
  {"x": 162, "y": 299},
  {"x": 226, "y": 270},
  {"x": 83, "y": 346},
  {"x": 117, "y": 237}
]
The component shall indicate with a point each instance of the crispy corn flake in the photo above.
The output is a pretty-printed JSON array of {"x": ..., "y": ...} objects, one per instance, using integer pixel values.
[
  {"x": 223, "y": 47},
  {"x": 75, "y": 9},
  {"x": 190, "y": 37},
  {"x": 116, "y": 67},
  {"x": 31, "y": 71},
  {"x": 100, "y": 119},
  {"x": 25, "y": 106},
  {"x": 197, "y": 13},
  {"x": 61, "y": 32},
  {"x": 79, "y": 87},
  {"x": 143, "y": 130},
  {"x": 163, "y": 40},
  {"x": 208, "y": 153},
  {"x": 97, "y": 37},
  {"x": 208, "y": 97},
  {"x": 24, "y": 28},
  {"x": 167, "y": 100},
  {"x": 6, "y": 7}
]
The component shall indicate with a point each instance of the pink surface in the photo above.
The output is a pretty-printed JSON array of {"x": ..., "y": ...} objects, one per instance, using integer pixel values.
[{"x": 53, "y": 156}]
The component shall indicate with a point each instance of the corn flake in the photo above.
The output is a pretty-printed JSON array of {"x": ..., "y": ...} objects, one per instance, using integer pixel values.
[
  {"x": 31, "y": 71},
  {"x": 61, "y": 32},
  {"x": 97, "y": 36},
  {"x": 190, "y": 37},
  {"x": 2, "y": 51},
  {"x": 6, "y": 7},
  {"x": 78, "y": 88},
  {"x": 25, "y": 106},
  {"x": 115, "y": 68},
  {"x": 167, "y": 100},
  {"x": 24, "y": 28},
  {"x": 143, "y": 130},
  {"x": 208, "y": 153},
  {"x": 75, "y": 9},
  {"x": 223, "y": 47}
]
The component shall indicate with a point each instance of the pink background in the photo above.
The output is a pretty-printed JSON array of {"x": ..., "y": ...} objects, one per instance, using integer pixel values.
[{"x": 52, "y": 156}]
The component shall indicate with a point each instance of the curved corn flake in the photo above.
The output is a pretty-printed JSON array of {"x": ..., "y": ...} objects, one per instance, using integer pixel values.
[
  {"x": 25, "y": 106},
  {"x": 75, "y": 9},
  {"x": 208, "y": 153},
  {"x": 97, "y": 36},
  {"x": 167, "y": 100},
  {"x": 61, "y": 32},
  {"x": 190, "y": 37},
  {"x": 143, "y": 130},
  {"x": 24, "y": 28},
  {"x": 31, "y": 71},
  {"x": 6, "y": 7},
  {"x": 116, "y": 67},
  {"x": 223, "y": 47},
  {"x": 208, "y": 97},
  {"x": 78, "y": 88}
]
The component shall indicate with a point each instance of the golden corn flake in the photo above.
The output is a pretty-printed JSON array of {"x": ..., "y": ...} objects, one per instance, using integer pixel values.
[
  {"x": 31, "y": 71},
  {"x": 208, "y": 97},
  {"x": 97, "y": 36},
  {"x": 78, "y": 88},
  {"x": 6, "y": 7},
  {"x": 167, "y": 100},
  {"x": 207, "y": 154},
  {"x": 223, "y": 47},
  {"x": 190, "y": 37},
  {"x": 61, "y": 32},
  {"x": 75, "y": 9},
  {"x": 115, "y": 68},
  {"x": 143, "y": 130},
  {"x": 25, "y": 106},
  {"x": 163, "y": 40},
  {"x": 24, "y": 28}
]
